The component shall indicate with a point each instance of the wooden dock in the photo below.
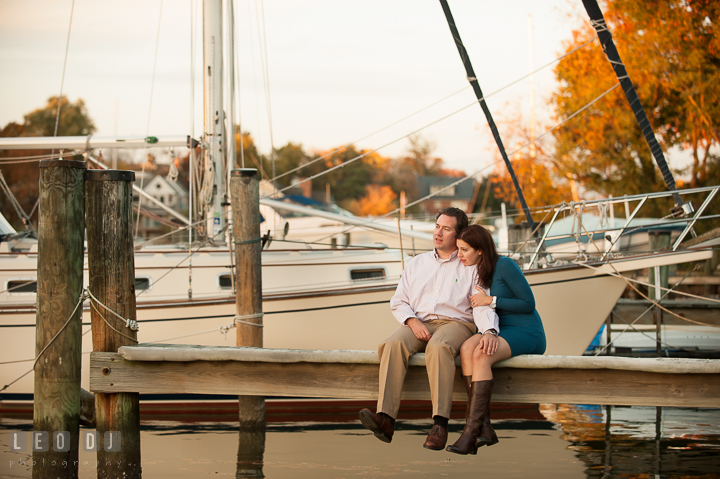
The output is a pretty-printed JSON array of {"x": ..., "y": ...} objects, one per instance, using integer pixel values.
[{"x": 176, "y": 369}]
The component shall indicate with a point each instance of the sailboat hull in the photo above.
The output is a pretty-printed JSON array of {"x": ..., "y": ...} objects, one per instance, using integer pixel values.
[{"x": 573, "y": 302}]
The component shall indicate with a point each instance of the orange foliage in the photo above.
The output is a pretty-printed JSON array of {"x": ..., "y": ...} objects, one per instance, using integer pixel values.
[
  {"x": 378, "y": 200},
  {"x": 451, "y": 172},
  {"x": 541, "y": 180}
]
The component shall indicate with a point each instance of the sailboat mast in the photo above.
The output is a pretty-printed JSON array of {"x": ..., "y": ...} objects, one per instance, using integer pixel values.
[
  {"x": 479, "y": 95},
  {"x": 214, "y": 159},
  {"x": 608, "y": 45}
]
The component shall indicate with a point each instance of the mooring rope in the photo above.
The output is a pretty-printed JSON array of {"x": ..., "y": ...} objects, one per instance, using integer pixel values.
[{"x": 80, "y": 301}]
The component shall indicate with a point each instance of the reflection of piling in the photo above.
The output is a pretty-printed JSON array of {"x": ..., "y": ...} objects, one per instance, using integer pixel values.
[
  {"x": 251, "y": 448},
  {"x": 245, "y": 194},
  {"x": 60, "y": 282},
  {"x": 111, "y": 268}
]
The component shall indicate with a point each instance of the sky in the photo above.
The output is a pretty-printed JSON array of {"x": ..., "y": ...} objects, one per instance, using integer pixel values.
[{"x": 338, "y": 70}]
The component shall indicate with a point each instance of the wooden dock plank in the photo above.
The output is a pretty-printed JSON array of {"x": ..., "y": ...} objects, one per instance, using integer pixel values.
[{"x": 110, "y": 372}]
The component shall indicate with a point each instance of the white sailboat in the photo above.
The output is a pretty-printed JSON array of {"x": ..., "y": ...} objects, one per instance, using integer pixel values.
[{"x": 312, "y": 298}]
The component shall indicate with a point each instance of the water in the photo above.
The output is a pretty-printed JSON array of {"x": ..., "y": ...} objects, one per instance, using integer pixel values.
[{"x": 558, "y": 441}]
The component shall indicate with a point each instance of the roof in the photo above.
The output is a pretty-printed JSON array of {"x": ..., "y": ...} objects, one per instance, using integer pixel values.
[{"x": 463, "y": 190}]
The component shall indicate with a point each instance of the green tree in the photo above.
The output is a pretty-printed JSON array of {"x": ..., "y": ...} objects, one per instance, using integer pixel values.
[
  {"x": 287, "y": 158},
  {"x": 22, "y": 177},
  {"x": 74, "y": 119}
]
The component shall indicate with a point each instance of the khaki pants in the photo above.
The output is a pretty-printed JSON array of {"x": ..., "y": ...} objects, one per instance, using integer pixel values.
[{"x": 447, "y": 336}]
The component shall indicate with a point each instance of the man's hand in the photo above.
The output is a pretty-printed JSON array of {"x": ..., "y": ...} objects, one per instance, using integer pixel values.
[{"x": 419, "y": 329}]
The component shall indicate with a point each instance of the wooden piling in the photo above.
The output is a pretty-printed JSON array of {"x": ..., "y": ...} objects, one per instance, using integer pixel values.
[
  {"x": 245, "y": 197},
  {"x": 111, "y": 268},
  {"x": 59, "y": 287}
]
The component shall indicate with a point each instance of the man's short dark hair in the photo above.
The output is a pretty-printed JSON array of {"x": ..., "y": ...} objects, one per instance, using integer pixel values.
[{"x": 458, "y": 214}]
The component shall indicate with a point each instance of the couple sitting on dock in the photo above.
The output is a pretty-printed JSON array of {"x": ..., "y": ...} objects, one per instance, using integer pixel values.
[{"x": 443, "y": 299}]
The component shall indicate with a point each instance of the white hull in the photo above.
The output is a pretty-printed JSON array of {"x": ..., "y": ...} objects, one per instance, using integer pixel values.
[{"x": 310, "y": 303}]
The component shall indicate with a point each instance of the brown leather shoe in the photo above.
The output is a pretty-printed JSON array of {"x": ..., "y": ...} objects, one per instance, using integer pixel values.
[
  {"x": 379, "y": 424},
  {"x": 436, "y": 439}
]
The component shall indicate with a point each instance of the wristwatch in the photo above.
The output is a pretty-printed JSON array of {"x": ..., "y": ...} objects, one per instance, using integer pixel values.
[
  {"x": 490, "y": 331},
  {"x": 493, "y": 305}
]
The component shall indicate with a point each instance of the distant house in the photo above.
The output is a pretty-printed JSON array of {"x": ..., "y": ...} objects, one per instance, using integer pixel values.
[
  {"x": 171, "y": 194},
  {"x": 458, "y": 196}
]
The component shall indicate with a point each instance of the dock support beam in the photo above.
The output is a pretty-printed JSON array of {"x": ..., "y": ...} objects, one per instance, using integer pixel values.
[
  {"x": 245, "y": 197},
  {"x": 56, "y": 415},
  {"x": 111, "y": 268}
]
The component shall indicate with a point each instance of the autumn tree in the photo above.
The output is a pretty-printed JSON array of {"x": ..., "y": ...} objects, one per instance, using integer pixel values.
[
  {"x": 542, "y": 179},
  {"x": 671, "y": 49},
  {"x": 378, "y": 200},
  {"x": 22, "y": 176}
]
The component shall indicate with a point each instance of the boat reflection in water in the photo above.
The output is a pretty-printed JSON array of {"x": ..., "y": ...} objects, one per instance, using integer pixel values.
[
  {"x": 325, "y": 440},
  {"x": 616, "y": 441}
]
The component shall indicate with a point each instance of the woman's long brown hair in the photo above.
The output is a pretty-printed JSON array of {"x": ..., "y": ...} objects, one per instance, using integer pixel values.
[{"x": 478, "y": 238}]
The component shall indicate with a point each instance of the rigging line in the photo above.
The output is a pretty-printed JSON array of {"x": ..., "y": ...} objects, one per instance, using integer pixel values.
[
  {"x": 80, "y": 301},
  {"x": 682, "y": 293},
  {"x": 629, "y": 283},
  {"x": 62, "y": 80},
  {"x": 537, "y": 227},
  {"x": 236, "y": 78},
  {"x": 32, "y": 359},
  {"x": 149, "y": 214},
  {"x": 147, "y": 128},
  {"x": 485, "y": 167},
  {"x": 129, "y": 323},
  {"x": 438, "y": 121},
  {"x": 16, "y": 204},
  {"x": 9, "y": 290},
  {"x": 36, "y": 157},
  {"x": 435, "y": 103},
  {"x": 191, "y": 153},
  {"x": 613, "y": 56},
  {"x": 516, "y": 150},
  {"x": 472, "y": 78},
  {"x": 189, "y": 256},
  {"x": 254, "y": 76},
  {"x": 630, "y": 325},
  {"x": 92, "y": 304},
  {"x": 342, "y": 165},
  {"x": 267, "y": 87}
]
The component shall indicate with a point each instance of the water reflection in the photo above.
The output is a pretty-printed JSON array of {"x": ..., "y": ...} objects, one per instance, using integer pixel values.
[
  {"x": 559, "y": 441},
  {"x": 251, "y": 448},
  {"x": 619, "y": 442}
]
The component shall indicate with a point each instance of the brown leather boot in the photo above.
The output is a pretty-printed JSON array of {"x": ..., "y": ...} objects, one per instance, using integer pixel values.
[
  {"x": 478, "y": 406},
  {"x": 487, "y": 433}
]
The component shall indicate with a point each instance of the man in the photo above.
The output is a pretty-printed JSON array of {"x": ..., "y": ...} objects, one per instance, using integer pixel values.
[{"x": 432, "y": 302}]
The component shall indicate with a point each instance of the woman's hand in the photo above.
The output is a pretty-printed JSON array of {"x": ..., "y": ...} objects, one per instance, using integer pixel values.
[
  {"x": 480, "y": 298},
  {"x": 488, "y": 344}
]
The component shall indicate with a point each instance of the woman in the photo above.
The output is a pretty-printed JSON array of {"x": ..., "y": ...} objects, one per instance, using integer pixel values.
[{"x": 521, "y": 331}]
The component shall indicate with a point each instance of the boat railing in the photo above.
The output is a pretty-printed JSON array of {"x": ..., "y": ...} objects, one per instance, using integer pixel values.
[{"x": 672, "y": 220}]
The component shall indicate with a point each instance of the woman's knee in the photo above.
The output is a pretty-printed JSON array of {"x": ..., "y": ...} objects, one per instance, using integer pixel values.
[{"x": 479, "y": 357}]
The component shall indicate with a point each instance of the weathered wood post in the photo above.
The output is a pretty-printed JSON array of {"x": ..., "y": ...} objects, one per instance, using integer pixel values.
[
  {"x": 58, "y": 335},
  {"x": 245, "y": 198},
  {"x": 111, "y": 267}
]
